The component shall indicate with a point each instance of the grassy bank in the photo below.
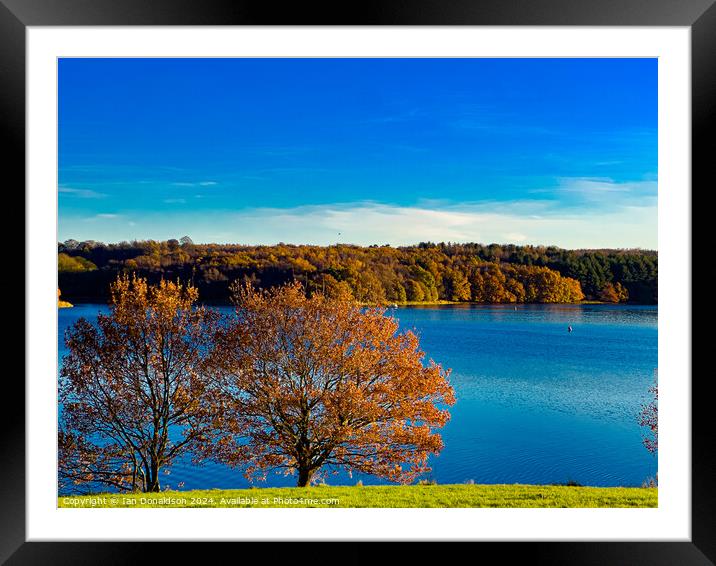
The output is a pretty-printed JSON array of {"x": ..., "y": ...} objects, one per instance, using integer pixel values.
[{"x": 383, "y": 496}]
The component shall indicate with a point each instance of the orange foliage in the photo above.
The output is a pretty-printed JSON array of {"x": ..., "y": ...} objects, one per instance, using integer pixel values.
[
  {"x": 128, "y": 380},
  {"x": 316, "y": 384}
]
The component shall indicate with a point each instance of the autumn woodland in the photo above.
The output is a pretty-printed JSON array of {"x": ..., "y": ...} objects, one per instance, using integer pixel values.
[{"x": 425, "y": 273}]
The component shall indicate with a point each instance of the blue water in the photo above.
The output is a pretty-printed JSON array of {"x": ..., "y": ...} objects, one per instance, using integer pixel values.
[{"x": 535, "y": 403}]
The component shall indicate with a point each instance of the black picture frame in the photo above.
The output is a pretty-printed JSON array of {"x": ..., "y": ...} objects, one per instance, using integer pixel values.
[{"x": 17, "y": 15}]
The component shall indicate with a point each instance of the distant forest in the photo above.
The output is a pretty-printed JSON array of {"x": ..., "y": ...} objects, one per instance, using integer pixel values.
[{"x": 374, "y": 275}]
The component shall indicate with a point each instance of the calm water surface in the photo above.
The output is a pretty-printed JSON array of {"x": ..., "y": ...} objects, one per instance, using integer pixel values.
[{"x": 535, "y": 403}]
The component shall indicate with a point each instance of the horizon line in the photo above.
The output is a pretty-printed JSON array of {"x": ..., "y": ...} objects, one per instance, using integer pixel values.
[{"x": 348, "y": 244}]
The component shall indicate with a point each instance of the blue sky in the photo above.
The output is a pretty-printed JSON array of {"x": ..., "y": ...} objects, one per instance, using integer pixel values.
[{"x": 398, "y": 151}]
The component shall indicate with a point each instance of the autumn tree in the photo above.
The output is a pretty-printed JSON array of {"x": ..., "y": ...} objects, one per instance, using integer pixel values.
[
  {"x": 395, "y": 291},
  {"x": 66, "y": 263},
  {"x": 414, "y": 291},
  {"x": 456, "y": 286},
  {"x": 368, "y": 288},
  {"x": 132, "y": 393},
  {"x": 330, "y": 287},
  {"x": 477, "y": 286},
  {"x": 317, "y": 384},
  {"x": 516, "y": 289},
  {"x": 60, "y": 302},
  {"x": 494, "y": 287},
  {"x": 613, "y": 293},
  {"x": 622, "y": 292}
]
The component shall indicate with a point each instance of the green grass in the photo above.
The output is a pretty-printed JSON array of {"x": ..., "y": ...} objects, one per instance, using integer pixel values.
[{"x": 383, "y": 496}]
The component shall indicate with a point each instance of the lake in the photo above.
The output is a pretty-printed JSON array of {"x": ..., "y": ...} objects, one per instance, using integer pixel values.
[{"x": 535, "y": 403}]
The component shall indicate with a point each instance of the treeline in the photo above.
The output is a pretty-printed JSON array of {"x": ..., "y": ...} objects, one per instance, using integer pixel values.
[{"x": 376, "y": 274}]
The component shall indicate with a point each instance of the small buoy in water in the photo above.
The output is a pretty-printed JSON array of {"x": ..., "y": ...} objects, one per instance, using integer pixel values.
[{"x": 569, "y": 329}]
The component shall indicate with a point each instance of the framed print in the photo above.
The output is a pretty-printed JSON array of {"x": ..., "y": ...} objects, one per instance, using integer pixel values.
[{"x": 386, "y": 277}]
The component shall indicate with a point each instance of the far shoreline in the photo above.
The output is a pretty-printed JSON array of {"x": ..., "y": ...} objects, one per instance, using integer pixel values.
[{"x": 77, "y": 301}]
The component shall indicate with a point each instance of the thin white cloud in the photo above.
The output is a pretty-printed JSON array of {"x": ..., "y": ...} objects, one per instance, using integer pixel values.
[
  {"x": 80, "y": 193},
  {"x": 590, "y": 186},
  {"x": 374, "y": 223},
  {"x": 194, "y": 184},
  {"x": 377, "y": 224},
  {"x": 515, "y": 237},
  {"x": 105, "y": 216},
  {"x": 629, "y": 221},
  {"x": 601, "y": 192}
]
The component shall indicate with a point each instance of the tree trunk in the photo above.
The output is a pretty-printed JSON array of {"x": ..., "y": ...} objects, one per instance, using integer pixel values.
[
  {"x": 153, "y": 484},
  {"x": 304, "y": 477}
]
